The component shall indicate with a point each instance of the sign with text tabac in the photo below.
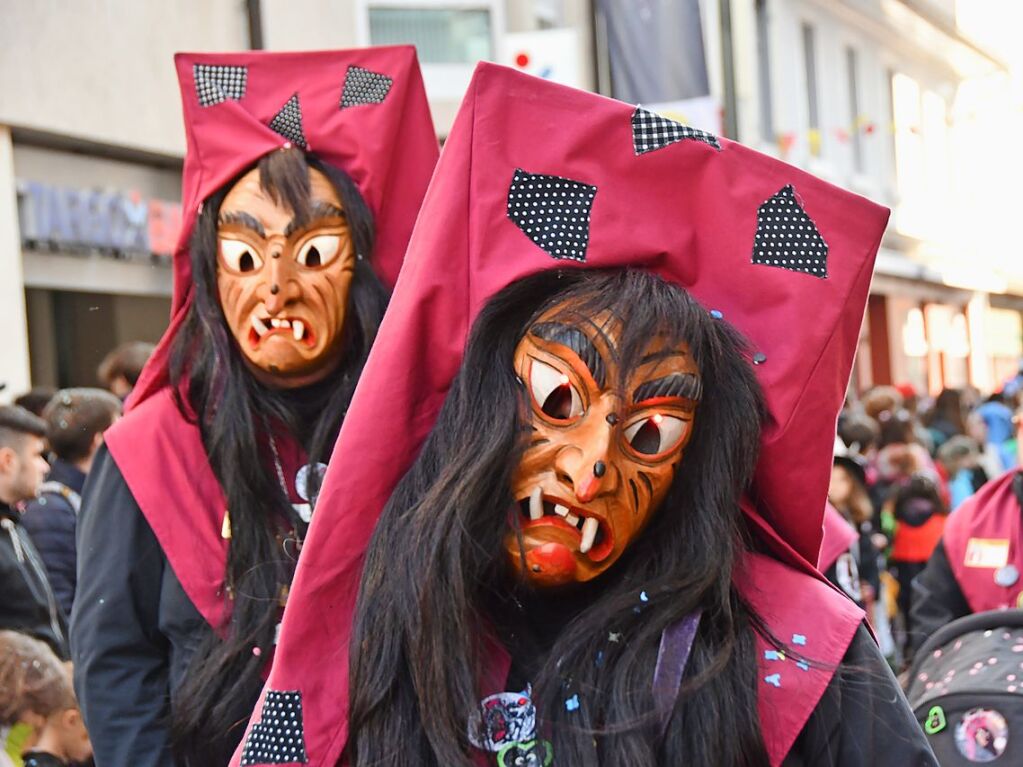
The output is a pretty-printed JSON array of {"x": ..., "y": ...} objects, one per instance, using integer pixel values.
[{"x": 109, "y": 221}]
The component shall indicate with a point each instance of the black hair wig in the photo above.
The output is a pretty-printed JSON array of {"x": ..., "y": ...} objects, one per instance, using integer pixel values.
[
  {"x": 210, "y": 709},
  {"x": 416, "y": 650}
]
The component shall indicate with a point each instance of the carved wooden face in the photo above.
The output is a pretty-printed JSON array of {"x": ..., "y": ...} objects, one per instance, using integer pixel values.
[
  {"x": 604, "y": 446},
  {"x": 283, "y": 281}
]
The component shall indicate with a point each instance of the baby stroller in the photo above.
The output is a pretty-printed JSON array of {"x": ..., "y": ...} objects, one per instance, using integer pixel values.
[{"x": 966, "y": 688}]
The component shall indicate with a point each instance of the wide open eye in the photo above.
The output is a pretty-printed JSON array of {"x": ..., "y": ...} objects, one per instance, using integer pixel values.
[
  {"x": 319, "y": 251},
  {"x": 553, "y": 392},
  {"x": 240, "y": 256},
  {"x": 656, "y": 434}
]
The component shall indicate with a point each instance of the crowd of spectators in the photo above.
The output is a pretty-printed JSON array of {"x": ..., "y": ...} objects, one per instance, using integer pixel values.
[
  {"x": 902, "y": 464},
  {"x": 48, "y": 439}
]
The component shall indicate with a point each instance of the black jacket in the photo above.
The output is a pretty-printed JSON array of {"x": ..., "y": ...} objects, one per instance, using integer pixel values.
[
  {"x": 28, "y": 604},
  {"x": 50, "y": 519},
  {"x": 133, "y": 628}
]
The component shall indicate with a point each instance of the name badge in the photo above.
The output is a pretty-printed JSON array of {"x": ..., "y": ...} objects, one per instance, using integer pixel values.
[{"x": 986, "y": 552}]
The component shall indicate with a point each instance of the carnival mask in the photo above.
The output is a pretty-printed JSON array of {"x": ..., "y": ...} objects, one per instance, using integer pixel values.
[
  {"x": 604, "y": 445},
  {"x": 283, "y": 280}
]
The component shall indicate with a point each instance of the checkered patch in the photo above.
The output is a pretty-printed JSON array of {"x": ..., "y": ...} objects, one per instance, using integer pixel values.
[
  {"x": 277, "y": 737},
  {"x": 288, "y": 122},
  {"x": 788, "y": 238},
  {"x": 553, "y": 212},
  {"x": 651, "y": 131},
  {"x": 215, "y": 83},
  {"x": 364, "y": 87}
]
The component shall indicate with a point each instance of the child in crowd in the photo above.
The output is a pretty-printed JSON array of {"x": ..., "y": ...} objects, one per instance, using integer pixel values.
[
  {"x": 959, "y": 458},
  {"x": 40, "y": 724},
  {"x": 848, "y": 494},
  {"x": 915, "y": 512}
]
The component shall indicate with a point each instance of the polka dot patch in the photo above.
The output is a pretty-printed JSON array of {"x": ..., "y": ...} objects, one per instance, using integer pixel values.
[
  {"x": 787, "y": 238},
  {"x": 364, "y": 87},
  {"x": 288, "y": 122},
  {"x": 215, "y": 83},
  {"x": 651, "y": 131},
  {"x": 277, "y": 737},
  {"x": 553, "y": 212}
]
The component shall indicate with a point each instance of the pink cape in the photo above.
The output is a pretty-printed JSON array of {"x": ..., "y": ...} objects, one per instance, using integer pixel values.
[
  {"x": 686, "y": 211},
  {"x": 982, "y": 536},
  {"x": 838, "y": 537},
  {"x": 230, "y": 100}
]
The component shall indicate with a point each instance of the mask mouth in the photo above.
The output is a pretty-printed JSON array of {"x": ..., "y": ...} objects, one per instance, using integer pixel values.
[
  {"x": 595, "y": 537},
  {"x": 262, "y": 327}
]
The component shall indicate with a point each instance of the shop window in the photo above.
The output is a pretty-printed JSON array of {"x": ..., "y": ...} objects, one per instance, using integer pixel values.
[
  {"x": 764, "y": 71},
  {"x": 856, "y": 134},
  {"x": 812, "y": 95},
  {"x": 441, "y": 35}
]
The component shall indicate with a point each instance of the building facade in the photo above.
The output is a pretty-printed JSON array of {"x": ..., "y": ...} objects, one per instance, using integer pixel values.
[
  {"x": 889, "y": 98},
  {"x": 892, "y": 99}
]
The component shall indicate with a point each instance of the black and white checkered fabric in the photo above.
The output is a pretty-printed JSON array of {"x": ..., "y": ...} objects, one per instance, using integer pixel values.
[
  {"x": 277, "y": 737},
  {"x": 215, "y": 83},
  {"x": 787, "y": 237},
  {"x": 288, "y": 122},
  {"x": 364, "y": 87},
  {"x": 554, "y": 212},
  {"x": 651, "y": 131}
]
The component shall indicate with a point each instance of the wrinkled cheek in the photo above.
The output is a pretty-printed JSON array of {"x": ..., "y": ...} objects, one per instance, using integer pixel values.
[{"x": 535, "y": 461}]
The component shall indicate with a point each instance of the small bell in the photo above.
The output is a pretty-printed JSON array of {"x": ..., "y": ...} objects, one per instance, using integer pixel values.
[{"x": 225, "y": 527}]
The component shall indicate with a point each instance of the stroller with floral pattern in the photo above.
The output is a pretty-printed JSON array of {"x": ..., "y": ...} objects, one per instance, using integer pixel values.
[{"x": 966, "y": 688}]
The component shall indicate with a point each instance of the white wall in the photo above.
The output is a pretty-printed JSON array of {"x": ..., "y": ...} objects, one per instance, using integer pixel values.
[{"x": 103, "y": 70}]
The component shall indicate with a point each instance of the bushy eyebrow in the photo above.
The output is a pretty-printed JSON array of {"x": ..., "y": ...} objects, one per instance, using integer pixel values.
[
  {"x": 316, "y": 212},
  {"x": 578, "y": 342},
  {"x": 685, "y": 385},
  {"x": 242, "y": 219}
]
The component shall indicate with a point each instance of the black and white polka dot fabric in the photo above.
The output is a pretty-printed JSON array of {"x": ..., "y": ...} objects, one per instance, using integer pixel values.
[
  {"x": 215, "y": 83},
  {"x": 787, "y": 238},
  {"x": 364, "y": 87},
  {"x": 651, "y": 131},
  {"x": 277, "y": 737},
  {"x": 288, "y": 122},
  {"x": 554, "y": 212}
]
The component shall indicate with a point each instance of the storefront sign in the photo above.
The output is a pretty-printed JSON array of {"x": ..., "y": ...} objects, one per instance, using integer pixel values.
[{"x": 96, "y": 219}]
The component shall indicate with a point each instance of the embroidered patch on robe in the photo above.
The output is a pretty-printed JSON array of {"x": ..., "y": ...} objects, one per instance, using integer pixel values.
[
  {"x": 215, "y": 83},
  {"x": 554, "y": 212},
  {"x": 364, "y": 87},
  {"x": 288, "y": 122},
  {"x": 277, "y": 737},
  {"x": 650, "y": 131},
  {"x": 788, "y": 238}
]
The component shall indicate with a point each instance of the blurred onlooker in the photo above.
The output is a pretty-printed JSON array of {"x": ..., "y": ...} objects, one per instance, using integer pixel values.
[
  {"x": 860, "y": 433},
  {"x": 27, "y": 602},
  {"x": 35, "y": 399},
  {"x": 881, "y": 399},
  {"x": 997, "y": 417},
  {"x": 75, "y": 422},
  {"x": 900, "y": 456},
  {"x": 959, "y": 457},
  {"x": 911, "y": 403},
  {"x": 120, "y": 369},
  {"x": 915, "y": 513},
  {"x": 39, "y": 714},
  {"x": 946, "y": 419}
]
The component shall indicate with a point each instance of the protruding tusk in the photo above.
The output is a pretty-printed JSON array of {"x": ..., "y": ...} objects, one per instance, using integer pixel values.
[
  {"x": 590, "y": 526},
  {"x": 536, "y": 504},
  {"x": 298, "y": 329},
  {"x": 258, "y": 325}
]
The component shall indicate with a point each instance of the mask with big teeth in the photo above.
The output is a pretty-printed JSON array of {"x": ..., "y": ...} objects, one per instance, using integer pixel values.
[
  {"x": 283, "y": 280},
  {"x": 603, "y": 448}
]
